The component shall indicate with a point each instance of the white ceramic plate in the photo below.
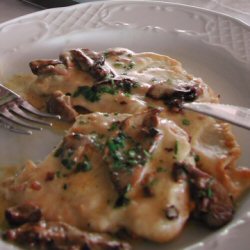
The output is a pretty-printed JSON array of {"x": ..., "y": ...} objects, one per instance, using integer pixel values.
[{"x": 210, "y": 45}]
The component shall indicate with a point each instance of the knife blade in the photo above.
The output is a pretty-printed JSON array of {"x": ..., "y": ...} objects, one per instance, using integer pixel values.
[{"x": 239, "y": 116}]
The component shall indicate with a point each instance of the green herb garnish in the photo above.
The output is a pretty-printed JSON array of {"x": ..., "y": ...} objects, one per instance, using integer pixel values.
[
  {"x": 67, "y": 163},
  {"x": 186, "y": 122},
  {"x": 58, "y": 152},
  {"x": 131, "y": 153},
  {"x": 176, "y": 148},
  {"x": 106, "y": 54},
  {"x": 130, "y": 65},
  {"x": 161, "y": 170},
  {"x": 125, "y": 153},
  {"x": 65, "y": 186},
  {"x": 58, "y": 174},
  {"x": 89, "y": 93},
  {"x": 209, "y": 193},
  {"x": 118, "y": 64},
  {"x": 114, "y": 126},
  {"x": 128, "y": 188},
  {"x": 94, "y": 93},
  {"x": 197, "y": 158},
  {"x": 84, "y": 166},
  {"x": 206, "y": 193}
]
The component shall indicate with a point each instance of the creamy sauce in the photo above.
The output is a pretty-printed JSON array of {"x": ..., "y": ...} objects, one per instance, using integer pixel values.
[
  {"x": 88, "y": 202},
  {"x": 6, "y": 172},
  {"x": 87, "y": 199}
]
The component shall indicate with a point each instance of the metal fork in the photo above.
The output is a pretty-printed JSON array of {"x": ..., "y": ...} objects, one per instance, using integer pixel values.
[{"x": 14, "y": 111}]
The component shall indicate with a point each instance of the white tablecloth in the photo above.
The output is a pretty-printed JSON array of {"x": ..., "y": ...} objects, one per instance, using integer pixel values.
[{"x": 237, "y": 8}]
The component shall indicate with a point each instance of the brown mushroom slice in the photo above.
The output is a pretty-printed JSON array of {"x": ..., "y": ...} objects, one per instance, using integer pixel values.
[
  {"x": 74, "y": 152},
  {"x": 60, "y": 104},
  {"x": 23, "y": 213},
  {"x": 173, "y": 96},
  {"x": 97, "y": 69},
  {"x": 213, "y": 204},
  {"x": 58, "y": 235},
  {"x": 67, "y": 59},
  {"x": 87, "y": 60},
  {"x": 47, "y": 67},
  {"x": 97, "y": 57}
]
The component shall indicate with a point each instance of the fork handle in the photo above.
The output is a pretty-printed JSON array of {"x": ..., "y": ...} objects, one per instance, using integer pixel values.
[{"x": 238, "y": 116}]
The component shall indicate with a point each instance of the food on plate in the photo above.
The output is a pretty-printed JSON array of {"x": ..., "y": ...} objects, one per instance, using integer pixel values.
[{"x": 133, "y": 162}]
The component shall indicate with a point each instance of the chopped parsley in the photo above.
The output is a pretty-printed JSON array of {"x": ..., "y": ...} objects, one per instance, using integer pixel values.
[
  {"x": 197, "y": 158},
  {"x": 209, "y": 193},
  {"x": 65, "y": 186},
  {"x": 127, "y": 94},
  {"x": 127, "y": 67},
  {"x": 186, "y": 122},
  {"x": 58, "y": 174},
  {"x": 84, "y": 166},
  {"x": 106, "y": 54},
  {"x": 126, "y": 153},
  {"x": 176, "y": 148},
  {"x": 153, "y": 80},
  {"x": 169, "y": 81},
  {"x": 130, "y": 65},
  {"x": 147, "y": 153},
  {"x": 88, "y": 92},
  {"x": 152, "y": 182},
  {"x": 131, "y": 153},
  {"x": 94, "y": 93},
  {"x": 114, "y": 126},
  {"x": 206, "y": 193},
  {"x": 152, "y": 106},
  {"x": 123, "y": 199},
  {"x": 67, "y": 163},
  {"x": 118, "y": 64},
  {"x": 128, "y": 188},
  {"x": 67, "y": 159},
  {"x": 58, "y": 152},
  {"x": 161, "y": 170}
]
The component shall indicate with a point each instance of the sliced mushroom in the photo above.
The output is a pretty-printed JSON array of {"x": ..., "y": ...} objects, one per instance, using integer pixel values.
[
  {"x": 213, "y": 204},
  {"x": 97, "y": 69},
  {"x": 73, "y": 152},
  {"x": 48, "y": 67},
  {"x": 173, "y": 97},
  {"x": 60, "y": 104},
  {"x": 23, "y": 213},
  {"x": 61, "y": 236}
]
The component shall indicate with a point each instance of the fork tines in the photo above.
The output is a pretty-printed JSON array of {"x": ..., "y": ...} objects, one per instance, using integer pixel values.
[{"x": 14, "y": 111}]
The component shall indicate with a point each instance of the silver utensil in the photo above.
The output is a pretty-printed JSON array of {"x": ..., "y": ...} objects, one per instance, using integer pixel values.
[
  {"x": 14, "y": 111},
  {"x": 238, "y": 116}
]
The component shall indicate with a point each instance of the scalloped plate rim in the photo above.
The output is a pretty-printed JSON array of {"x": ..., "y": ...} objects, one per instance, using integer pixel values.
[
  {"x": 178, "y": 5},
  {"x": 116, "y": 3}
]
